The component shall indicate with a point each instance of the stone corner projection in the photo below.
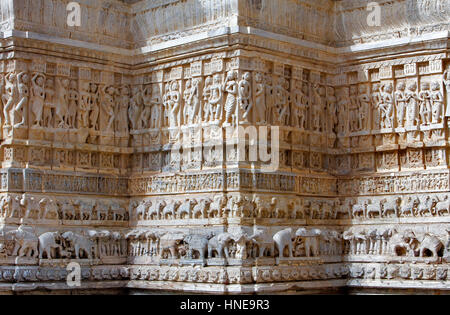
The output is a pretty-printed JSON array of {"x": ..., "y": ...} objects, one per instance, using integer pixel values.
[{"x": 225, "y": 146}]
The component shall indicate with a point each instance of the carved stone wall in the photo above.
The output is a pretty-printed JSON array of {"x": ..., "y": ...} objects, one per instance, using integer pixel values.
[{"x": 127, "y": 145}]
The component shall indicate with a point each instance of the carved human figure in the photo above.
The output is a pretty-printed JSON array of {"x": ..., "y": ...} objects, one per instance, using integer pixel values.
[
  {"x": 230, "y": 87},
  {"x": 412, "y": 117},
  {"x": 155, "y": 102},
  {"x": 215, "y": 99},
  {"x": 269, "y": 96},
  {"x": 400, "y": 101},
  {"x": 364, "y": 108},
  {"x": 298, "y": 108},
  {"x": 122, "y": 104},
  {"x": 21, "y": 109},
  {"x": 135, "y": 109},
  {"x": 332, "y": 117},
  {"x": 447, "y": 88},
  {"x": 49, "y": 103},
  {"x": 94, "y": 107},
  {"x": 174, "y": 104},
  {"x": 108, "y": 92},
  {"x": 376, "y": 101},
  {"x": 260, "y": 99},
  {"x": 62, "y": 99},
  {"x": 245, "y": 99},
  {"x": 191, "y": 98},
  {"x": 387, "y": 106},
  {"x": 84, "y": 105},
  {"x": 318, "y": 107},
  {"x": 343, "y": 101},
  {"x": 353, "y": 109},
  {"x": 73, "y": 104},
  {"x": 9, "y": 96},
  {"x": 425, "y": 103},
  {"x": 206, "y": 97},
  {"x": 147, "y": 107},
  {"x": 437, "y": 102}
]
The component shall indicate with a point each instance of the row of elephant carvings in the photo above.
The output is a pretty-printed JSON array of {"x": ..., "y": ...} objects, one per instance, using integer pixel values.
[
  {"x": 288, "y": 243},
  {"x": 222, "y": 206},
  {"x": 173, "y": 245},
  {"x": 48, "y": 208},
  {"x": 23, "y": 242}
]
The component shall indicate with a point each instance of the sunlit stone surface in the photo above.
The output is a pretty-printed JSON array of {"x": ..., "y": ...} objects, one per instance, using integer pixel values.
[{"x": 123, "y": 148}]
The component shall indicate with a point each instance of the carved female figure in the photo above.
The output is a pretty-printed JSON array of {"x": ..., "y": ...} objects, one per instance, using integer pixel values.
[
  {"x": 364, "y": 108},
  {"x": 73, "y": 104},
  {"x": 206, "y": 97},
  {"x": 135, "y": 109},
  {"x": 215, "y": 108},
  {"x": 332, "y": 110},
  {"x": 387, "y": 106},
  {"x": 174, "y": 104},
  {"x": 412, "y": 118},
  {"x": 37, "y": 98},
  {"x": 167, "y": 104},
  {"x": 376, "y": 101},
  {"x": 155, "y": 102},
  {"x": 245, "y": 95},
  {"x": 146, "y": 114},
  {"x": 121, "y": 122},
  {"x": 108, "y": 106},
  {"x": 192, "y": 102},
  {"x": 437, "y": 100},
  {"x": 425, "y": 103},
  {"x": 343, "y": 101},
  {"x": 94, "y": 107},
  {"x": 85, "y": 105},
  {"x": 400, "y": 99},
  {"x": 353, "y": 109},
  {"x": 24, "y": 94},
  {"x": 49, "y": 102},
  {"x": 260, "y": 99},
  {"x": 231, "y": 88},
  {"x": 297, "y": 106},
  {"x": 62, "y": 99},
  {"x": 9, "y": 96}
]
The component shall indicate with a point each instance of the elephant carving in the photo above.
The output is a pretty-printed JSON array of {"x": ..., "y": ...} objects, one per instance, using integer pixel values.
[
  {"x": 50, "y": 244},
  {"x": 311, "y": 239},
  {"x": 197, "y": 244},
  {"x": 430, "y": 246},
  {"x": 83, "y": 246},
  {"x": 282, "y": 240},
  {"x": 220, "y": 244},
  {"x": 169, "y": 244},
  {"x": 26, "y": 243}
]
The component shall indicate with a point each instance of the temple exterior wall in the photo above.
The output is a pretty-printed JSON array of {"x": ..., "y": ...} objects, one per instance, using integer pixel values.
[{"x": 128, "y": 146}]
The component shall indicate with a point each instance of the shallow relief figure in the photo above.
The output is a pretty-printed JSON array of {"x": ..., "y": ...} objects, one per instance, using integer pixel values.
[
  {"x": 437, "y": 103},
  {"x": 317, "y": 107},
  {"x": 171, "y": 102},
  {"x": 9, "y": 97},
  {"x": 121, "y": 110},
  {"x": 62, "y": 102},
  {"x": 108, "y": 114},
  {"x": 376, "y": 101},
  {"x": 425, "y": 103},
  {"x": 447, "y": 88},
  {"x": 191, "y": 96},
  {"x": 387, "y": 106},
  {"x": 400, "y": 102},
  {"x": 49, "y": 103},
  {"x": 84, "y": 105},
  {"x": 20, "y": 110},
  {"x": 353, "y": 110},
  {"x": 73, "y": 104},
  {"x": 94, "y": 107},
  {"x": 230, "y": 87},
  {"x": 332, "y": 113},
  {"x": 245, "y": 96},
  {"x": 343, "y": 103},
  {"x": 260, "y": 99},
  {"x": 135, "y": 110},
  {"x": 412, "y": 114},
  {"x": 364, "y": 107}
]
